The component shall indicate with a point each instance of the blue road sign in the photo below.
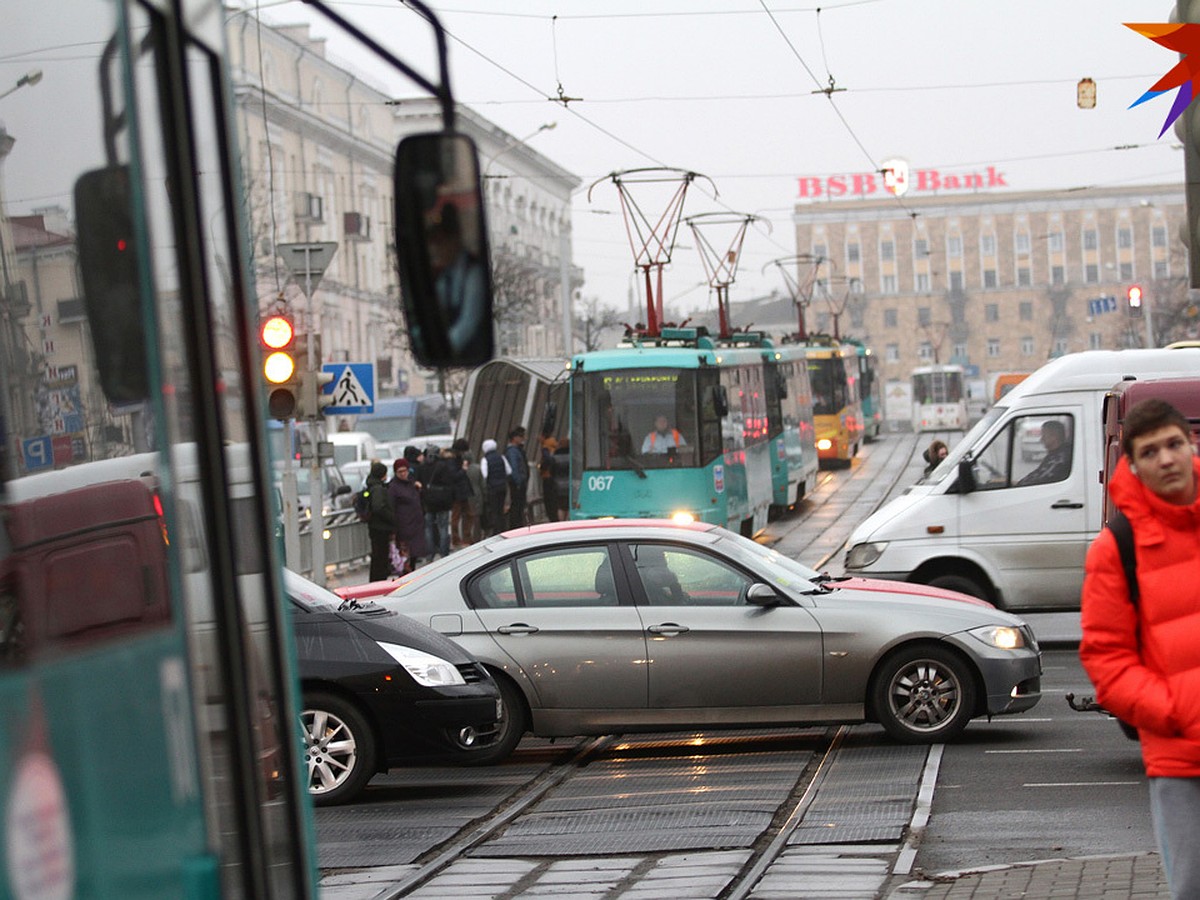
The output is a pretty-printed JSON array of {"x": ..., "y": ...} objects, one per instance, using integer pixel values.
[
  {"x": 352, "y": 387},
  {"x": 38, "y": 453}
]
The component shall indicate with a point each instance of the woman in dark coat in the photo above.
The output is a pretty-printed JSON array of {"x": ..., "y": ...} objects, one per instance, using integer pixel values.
[{"x": 405, "y": 495}]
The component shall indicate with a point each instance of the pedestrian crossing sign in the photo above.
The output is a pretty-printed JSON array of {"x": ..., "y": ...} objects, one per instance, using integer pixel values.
[{"x": 352, "y": 387}]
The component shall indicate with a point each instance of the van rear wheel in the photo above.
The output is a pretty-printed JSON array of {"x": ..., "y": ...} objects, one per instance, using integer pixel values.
[{"x": 962, "y": 583}]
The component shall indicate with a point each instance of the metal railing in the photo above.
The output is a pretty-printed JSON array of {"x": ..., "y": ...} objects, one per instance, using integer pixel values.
[{"x": 346, "y": 542}]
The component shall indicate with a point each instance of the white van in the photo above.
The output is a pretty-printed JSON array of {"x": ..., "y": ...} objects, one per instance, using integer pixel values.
[{"x": 1008, "y": 515}]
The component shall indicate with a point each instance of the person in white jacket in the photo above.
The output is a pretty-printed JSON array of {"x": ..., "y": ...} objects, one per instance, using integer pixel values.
[{"x": 495, "y": 470}]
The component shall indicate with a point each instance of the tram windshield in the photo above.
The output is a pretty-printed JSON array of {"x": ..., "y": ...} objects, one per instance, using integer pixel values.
[
  {"x": 830, "y": 389},
  {"x": 640, "y": 418}
]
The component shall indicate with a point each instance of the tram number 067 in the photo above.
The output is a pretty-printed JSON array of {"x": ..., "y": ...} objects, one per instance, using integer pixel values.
[{"x": 600, "y": 482}]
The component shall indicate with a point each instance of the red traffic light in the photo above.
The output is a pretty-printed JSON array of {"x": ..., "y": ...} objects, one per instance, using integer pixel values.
[
  {"x": 1134, "y": 295},
  {"x": 277, "y": 332}
]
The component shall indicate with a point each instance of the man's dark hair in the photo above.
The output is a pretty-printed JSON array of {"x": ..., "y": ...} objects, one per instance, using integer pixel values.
[
  {"x": 519, "y": 431},
  {"x": 1150, "y": 415},
  {"x": 1055, "y": 425}
]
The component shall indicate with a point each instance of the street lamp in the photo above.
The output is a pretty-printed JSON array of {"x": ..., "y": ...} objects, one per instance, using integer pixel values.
[
  {"x": 30, "y": 78},
  {"x": 546, "y": 126}
]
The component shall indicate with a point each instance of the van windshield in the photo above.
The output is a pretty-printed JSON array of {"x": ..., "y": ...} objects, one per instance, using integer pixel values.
[{"x": 970, "y": 439}]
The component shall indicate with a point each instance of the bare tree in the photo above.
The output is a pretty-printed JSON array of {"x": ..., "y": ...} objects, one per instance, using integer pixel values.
[{"x": 592, "y": 321}]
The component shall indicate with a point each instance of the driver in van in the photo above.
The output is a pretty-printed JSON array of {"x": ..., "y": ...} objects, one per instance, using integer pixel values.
[
  {"x": 1056, "y": 464},
  {"x": 662, "y": 439}
]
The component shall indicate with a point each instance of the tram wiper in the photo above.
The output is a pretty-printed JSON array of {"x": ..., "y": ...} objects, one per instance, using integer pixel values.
[{"x": 636, "y": 466}]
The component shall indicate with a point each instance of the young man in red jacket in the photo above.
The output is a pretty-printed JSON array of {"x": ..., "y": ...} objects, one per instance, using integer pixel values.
[{"x": 1144, "y": 660}]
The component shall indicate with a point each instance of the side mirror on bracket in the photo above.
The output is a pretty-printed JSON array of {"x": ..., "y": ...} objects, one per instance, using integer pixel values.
[{"x": 442, "y": 250}]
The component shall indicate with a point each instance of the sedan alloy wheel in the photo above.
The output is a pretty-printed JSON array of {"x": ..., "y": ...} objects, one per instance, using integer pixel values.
[
  {"x": 339, "y": 750},
  {"x": 924, "y": 694}
]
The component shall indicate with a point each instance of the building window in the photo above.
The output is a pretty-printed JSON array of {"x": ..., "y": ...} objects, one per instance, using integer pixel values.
[
  {"x": 889, "y": 284},
  {"x": 1095, "y": 341},
  {"x": 923, "y": 281},
  {"x": 956, "y": 281},
  {"x": 1058, "y": 275},
  {"x": 924, "y": 317},
  {"x": 1025, "y": 311},
  {"x": 852, "y": 253},
  {"x": 925, "y": 351},
  {"x": 993, "y": 347},
  {"x": 989, "y": 278},
  {"x": 1024, "y": 276},
  {"x": 892, "y": 353},
  {"x": 819, "y": 250},
  {"x": 1021, "y": 243},
  {"x": 1161, "y": 269},
  {"x": 1055, "y": 240},
  {"x": 1060, "y": 346},
  {"x": 991, "y": 312},
  {"x": 1091, "y": 273},
  {"x": 1091, "y": 240},
  {"x": 987, "y": 244},
  {"x": 1158, "y": 236},
  {"x": 920, "y": 248},
  {"x": 1124, "y": 237},
  {"x": 1027, "y": 346},
  {"x": 1127, "y": 271},
  {"x": 954, "y": 246},
  {"x": 887, "y": 251},
  {"x": 890, "y": 318},
  {"x": 960, "y": 352}
]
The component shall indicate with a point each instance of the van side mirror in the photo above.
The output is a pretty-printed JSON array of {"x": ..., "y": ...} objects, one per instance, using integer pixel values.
[
  {"x": 442, "y": 250},
  {"x": 966, "y": 476}
]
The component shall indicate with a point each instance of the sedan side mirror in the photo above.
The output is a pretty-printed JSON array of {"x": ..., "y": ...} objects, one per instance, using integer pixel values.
[{"x": 763, "y": 595}]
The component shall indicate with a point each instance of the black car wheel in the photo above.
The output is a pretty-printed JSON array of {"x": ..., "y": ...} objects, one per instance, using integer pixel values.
[
  {"x": 924, "y": 695},
  {"x": 339, "y": 749},
  {"x": 514, "y": 720}
]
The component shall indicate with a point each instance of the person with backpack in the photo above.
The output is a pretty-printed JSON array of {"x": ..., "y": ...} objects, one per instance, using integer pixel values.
[
  {"x": 375, "y": 508},
  {"x": 438, "y": 498},
  {"x": 1141, "y": 647},
  {"x": 495, "y": 469}
]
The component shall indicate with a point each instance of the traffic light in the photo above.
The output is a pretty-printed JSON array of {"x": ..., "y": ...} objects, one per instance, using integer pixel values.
[
  {"x": 313, "y": 400},
  {"x": 1133, "y": 297},
  {"x": 277, "y": 335}
]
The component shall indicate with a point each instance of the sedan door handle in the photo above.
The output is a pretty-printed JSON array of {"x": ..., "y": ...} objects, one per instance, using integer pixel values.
[
  {"x": 518, "y": 628},
  {"x": 1066, "y": 504},
  {"x": 668, "y": 628}
]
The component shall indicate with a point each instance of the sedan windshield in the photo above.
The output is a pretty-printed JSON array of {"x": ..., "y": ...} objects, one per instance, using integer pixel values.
[{"x": 780, "y": 569}]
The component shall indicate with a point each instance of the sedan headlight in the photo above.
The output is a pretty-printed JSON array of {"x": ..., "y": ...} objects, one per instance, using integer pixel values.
[
  {"x": 425, "y": 668},
  {"x": 1002, "y": 637},
  {"x": 862, "y": 555}
]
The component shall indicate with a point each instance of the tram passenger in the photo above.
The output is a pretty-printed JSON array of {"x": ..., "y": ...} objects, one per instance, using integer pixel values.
[{"x": 662, "y": 439}]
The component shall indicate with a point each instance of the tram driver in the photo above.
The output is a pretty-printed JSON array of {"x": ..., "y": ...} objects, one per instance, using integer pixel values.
[{"x": 663, "y": 439}]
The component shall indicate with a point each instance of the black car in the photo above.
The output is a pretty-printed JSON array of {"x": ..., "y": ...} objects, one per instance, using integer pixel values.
[{"x": 379, "y": 689}]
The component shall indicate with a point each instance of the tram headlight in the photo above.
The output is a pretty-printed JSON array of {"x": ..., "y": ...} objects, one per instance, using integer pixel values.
[
  {"x": 862, "y": 555},
  {"x": 682, "y": 517},
  {"x": 824, "y": 444},
  {"x": 425, "y": 668}
]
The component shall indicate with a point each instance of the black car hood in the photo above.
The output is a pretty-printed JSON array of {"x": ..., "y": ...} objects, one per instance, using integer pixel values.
[{"x": 392, "y": 627}]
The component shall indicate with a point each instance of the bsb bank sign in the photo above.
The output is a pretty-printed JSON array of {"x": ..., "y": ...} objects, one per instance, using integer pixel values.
[{"x": 894, "y": 178}]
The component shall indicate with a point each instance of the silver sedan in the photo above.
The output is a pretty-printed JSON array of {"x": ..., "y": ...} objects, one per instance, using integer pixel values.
[{"x": 621, "y": 626}]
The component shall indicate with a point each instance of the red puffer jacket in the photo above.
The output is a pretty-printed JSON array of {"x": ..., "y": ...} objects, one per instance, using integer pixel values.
[{"x": 1156, "y": 687}]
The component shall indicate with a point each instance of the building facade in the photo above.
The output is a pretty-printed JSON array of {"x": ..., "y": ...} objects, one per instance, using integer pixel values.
[
  {"x": 994, "y": 281},
  {"x": 318, "y": 148}
]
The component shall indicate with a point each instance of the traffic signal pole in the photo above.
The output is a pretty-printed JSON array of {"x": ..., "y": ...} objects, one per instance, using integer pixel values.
[{"x": 316, "y": 484}]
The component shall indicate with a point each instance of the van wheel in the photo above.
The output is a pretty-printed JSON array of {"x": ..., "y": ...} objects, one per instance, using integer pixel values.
[{"x": 961, "y": 583}]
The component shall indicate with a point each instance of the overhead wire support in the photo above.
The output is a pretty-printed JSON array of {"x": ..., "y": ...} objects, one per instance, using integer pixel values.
[
  {"x": 652, "y": 243},
  {"x": 800, "y": 290},
  {"x": 721, "y": 265}
]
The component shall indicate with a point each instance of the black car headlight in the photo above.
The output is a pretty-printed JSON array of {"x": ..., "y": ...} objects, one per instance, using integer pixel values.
[
  {"x": 425, "y": 668},
  {"x": 1002, "y": 637}
]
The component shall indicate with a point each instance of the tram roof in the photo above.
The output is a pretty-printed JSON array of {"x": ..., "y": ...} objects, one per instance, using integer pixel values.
[{"x": 653, "y": 357}]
